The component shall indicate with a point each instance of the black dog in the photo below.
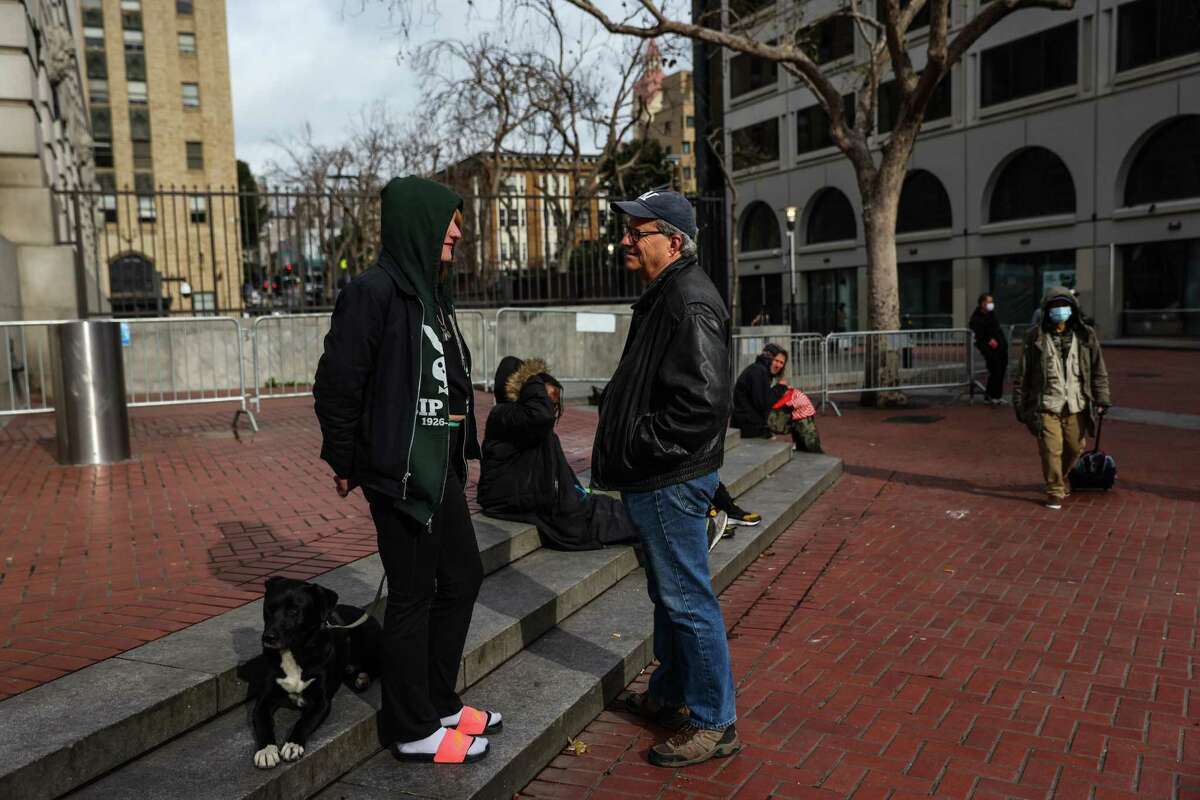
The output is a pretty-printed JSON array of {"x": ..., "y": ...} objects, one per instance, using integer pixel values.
[{"x": 306, "y": 660}]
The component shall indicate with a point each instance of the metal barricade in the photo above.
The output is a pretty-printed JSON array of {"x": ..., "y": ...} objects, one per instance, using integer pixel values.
[
  {"x": 183, "y": 360},
  {"x": 286, "y": 349},
  {"x": 578, "y": 345},
  {"x": 474, "y": 328},
  {"x": 864, "y": 361},
  {"x": 27, "y": 383},
  {"x": 806, "y": 362},
  {"x": 168, "y": 361}
]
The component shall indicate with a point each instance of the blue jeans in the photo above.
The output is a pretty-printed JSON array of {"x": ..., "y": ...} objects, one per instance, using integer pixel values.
[{"x": 689, "y": 631}]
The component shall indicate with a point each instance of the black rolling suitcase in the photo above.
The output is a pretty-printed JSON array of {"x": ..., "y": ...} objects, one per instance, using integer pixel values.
[{"x": 1095, "y": 470}]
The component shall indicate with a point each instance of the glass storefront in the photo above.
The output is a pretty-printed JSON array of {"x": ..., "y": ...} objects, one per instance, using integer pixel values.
[
  {"x": 1020, "y": 280},
  {"x": 1161, "y": 289},
  {"x": 926, "y": 295},
  {"x": 761, "y": 299},
  {"x": 832, "y": 301}
]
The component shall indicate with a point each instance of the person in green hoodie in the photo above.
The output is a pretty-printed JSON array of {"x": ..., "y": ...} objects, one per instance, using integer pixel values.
[{"x": 394, "y": 400}]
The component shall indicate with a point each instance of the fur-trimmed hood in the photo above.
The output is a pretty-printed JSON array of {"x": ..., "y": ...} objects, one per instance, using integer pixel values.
[{"x": 517, "y": 379}]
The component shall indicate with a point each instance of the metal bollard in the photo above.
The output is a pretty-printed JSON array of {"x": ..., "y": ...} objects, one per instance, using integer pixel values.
[{"x": 89, "y": 392}]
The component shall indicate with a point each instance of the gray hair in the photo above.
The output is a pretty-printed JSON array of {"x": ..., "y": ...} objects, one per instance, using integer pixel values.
[{"x": 688, "y": 248}]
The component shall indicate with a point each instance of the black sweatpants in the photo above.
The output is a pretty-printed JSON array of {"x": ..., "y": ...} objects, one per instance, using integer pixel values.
[
  {"x": 433, "y": 578},
  {"x": 997, "y": 366}
]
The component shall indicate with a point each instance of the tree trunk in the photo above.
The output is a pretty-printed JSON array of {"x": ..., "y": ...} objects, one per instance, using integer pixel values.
[{"x": 882, "y": 359}]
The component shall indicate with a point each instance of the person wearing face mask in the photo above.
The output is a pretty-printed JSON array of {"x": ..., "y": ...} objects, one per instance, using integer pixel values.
[
  {"x": 991, "y": 342},
  {"x": 1060, "y": 388}
]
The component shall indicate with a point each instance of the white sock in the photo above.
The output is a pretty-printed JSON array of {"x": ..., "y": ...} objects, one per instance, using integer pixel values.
[
  {"x": 433, "y": 741},
  {"x": 452, "y": 720}
]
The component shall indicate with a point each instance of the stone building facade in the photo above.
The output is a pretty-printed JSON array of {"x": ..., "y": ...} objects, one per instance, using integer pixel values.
[
  {"x": 44, "y": 143},
  {"x": 664, "y": 107},
  {"x": 158, "y": 91},
  {"x": 1064, "y": 149}
]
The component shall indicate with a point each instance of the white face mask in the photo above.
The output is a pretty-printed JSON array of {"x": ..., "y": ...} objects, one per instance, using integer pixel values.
[{"x": 990, "y": 306}]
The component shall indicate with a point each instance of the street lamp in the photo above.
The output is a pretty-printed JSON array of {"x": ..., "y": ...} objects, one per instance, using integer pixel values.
[{"x": 790, "y": 211}]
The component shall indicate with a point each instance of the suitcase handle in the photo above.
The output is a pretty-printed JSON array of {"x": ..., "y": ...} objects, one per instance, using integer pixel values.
[{"x": 1099, "y": 427}]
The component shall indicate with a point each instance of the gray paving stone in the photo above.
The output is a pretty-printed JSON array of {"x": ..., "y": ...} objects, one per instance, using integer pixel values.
[{"x": 61, "y": 734}]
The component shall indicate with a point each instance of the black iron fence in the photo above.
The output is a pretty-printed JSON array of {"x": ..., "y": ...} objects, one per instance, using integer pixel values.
[{"x": 197, "y": 251}]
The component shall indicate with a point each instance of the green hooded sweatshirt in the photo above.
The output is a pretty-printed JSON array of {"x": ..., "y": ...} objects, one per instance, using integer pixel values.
[{"x": 414, "y": 216}]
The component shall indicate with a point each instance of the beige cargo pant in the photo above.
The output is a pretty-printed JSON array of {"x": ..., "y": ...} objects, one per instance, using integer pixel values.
[{"x": 1060, "y": 444}]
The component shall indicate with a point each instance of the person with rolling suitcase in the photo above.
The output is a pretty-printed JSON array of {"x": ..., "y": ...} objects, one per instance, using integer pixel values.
[
  {"x": 1095, "y": 470},
  {"x": 1060, "y": 389}
]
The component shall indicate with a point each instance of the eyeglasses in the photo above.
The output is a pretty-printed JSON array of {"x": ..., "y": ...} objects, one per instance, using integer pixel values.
[{"x": 636, "y": 236}]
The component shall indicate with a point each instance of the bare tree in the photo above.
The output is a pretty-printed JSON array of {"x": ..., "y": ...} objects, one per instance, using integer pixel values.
[{"x": 880, "y": 168}]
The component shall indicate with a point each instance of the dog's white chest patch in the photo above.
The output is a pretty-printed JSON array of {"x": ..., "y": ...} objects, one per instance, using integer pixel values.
[{"x": 292, "y": 681}]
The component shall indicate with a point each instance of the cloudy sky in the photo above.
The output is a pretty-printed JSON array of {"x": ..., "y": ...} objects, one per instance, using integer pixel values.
[{"x": 324, "y": 60}]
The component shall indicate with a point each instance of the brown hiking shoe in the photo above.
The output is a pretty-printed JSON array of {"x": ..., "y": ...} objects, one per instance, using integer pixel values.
[
  {"x": 694, "y": 745},
  {"x": 647, "y": 707}
]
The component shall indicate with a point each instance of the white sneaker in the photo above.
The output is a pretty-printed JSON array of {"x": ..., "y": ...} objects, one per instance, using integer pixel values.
[{"x": 1053, "y": 503}]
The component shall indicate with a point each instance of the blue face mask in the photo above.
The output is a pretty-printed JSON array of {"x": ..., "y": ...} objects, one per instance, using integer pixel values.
[{"x": 1059, "y": 313}]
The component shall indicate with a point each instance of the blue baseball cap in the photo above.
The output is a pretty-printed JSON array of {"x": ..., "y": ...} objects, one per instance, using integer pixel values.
[{"x": 670, "y": 207}]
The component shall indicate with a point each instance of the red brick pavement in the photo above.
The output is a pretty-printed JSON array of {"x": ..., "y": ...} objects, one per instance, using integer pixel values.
[
  {"x": 927, "y": 628},
  {"x": 98, "y": 560},
  {"x": 1161, "y": 380}
]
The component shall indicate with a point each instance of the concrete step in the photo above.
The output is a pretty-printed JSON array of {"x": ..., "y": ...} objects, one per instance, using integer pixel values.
[
  {"x": 557, "y": 685},
  {"x": 517, "y": 604},
  {"x": 99, "y": 717}
]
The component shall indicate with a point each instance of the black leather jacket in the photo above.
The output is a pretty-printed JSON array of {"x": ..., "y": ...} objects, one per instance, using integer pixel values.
[{"x": 663, "y": 414}]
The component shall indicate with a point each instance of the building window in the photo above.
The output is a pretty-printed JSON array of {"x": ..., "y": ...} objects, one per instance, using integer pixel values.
[
  {"x": 761, "y": 300},
  {"x": 691, "y": 121},
  {"x": 187, "y": 44},
  {"x": 760, "y": 229},
  {"x": 1034, "y": 183},
  {"x": 1167, "y": 167},
  {"x": 93, "y": 16},
  {"x": 1149, "y": 31},
  {"x": 924, "y": 204},
  {"x": 1020, "y": 281},
  {"x": 102, "y": 154},
  {"x": 195, "y": 155},
  {"x": 101, "y": 123},
  {"x": 97, "y": 65},
  {"x": 756, "y": 144},
  {"x": 889, "y": 103},
  {"x": 135, "y": 66},
  {"x": 135, "y": 41},
  {"x": 183, "y": 7},
  {"x": 1162, "y": 288},
  {"x": 191, "y": 95},
  {"x": 740, "y": 9},
  {"x": 131, "y": 5},
  {"x": 139, "y": 124},
  {"x": 926, "y": 295},
  {"x": 687, "y": 173},
  {"x": 146, "y": 210},
  {"x": 832, "y": 301},
  {"x": 107, "y": 182},
  {"x": 131, "y": 20},
  {"x": 828, "y": 40},
  {"x": 98, "y": 90},
  {"x": 1034, "y": 64},
  {"x": 667, "y": 126},
  {"x": 687, "y": 147},
  {"x": 137, "y": 91},
  {"x": 198, "y": 208},
  {"x": 748, "y": 73},
  {"x": 812, "y": 126},
  {"x": 93, "y": 38},
  {"x": 831, "y": 218},
  {"x": 141, "y": 156},
  {"x": 921, "y": 20}
]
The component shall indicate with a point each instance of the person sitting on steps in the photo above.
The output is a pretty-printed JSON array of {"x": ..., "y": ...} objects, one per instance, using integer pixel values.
[{"x": 761, "y": 390}]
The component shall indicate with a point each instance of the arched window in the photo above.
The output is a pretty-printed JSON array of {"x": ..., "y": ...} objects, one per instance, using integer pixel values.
[
  {"x": 760, "y": 228},
  {"x": 831, "y": 218},
  {"x": 1033, "y": 183},
  {"x": 924, "y": 204},
  {"x": 134, "y": 287},
  {"x": 1167, "y": 165}
]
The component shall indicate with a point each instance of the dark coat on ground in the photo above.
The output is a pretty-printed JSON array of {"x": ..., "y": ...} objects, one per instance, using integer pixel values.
[
  {"x": 1030, "y": 378},
  {"x": 752, "y": 398},
  {"x": 525, "y": 475},
  {"x": 663, "y": 414}
]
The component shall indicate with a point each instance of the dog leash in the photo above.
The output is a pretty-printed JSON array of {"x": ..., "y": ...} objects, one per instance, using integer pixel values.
[{"x": 366, "y": 611}]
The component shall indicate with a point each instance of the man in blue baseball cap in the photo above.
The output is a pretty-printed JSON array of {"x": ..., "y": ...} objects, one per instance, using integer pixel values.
[{"x": 660, "y": 441}]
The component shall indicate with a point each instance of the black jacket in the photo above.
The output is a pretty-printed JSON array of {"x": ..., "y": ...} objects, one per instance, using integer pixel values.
[
  {"x": 986, "y": 326},
  {"x": 366, "y": 384},
  {"x": 752, "y": 399},
  {"x": 663, "y": 414},
  {"x": 525, "y": 474}
]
